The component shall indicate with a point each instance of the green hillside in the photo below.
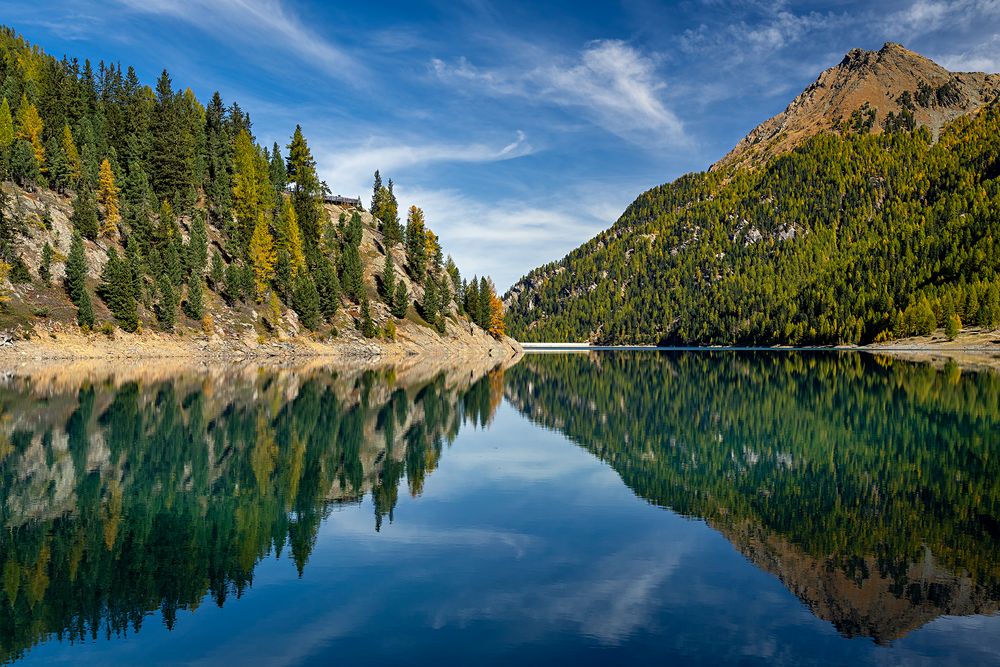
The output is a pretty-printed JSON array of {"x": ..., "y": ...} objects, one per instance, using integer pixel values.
[{"x": 850, "y": 238}]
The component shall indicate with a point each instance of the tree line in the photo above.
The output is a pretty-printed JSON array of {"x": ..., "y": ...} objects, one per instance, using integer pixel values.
[{"x": 186, "y": 200}]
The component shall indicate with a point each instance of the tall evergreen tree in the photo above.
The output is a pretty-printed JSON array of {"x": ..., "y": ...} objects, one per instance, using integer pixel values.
[
  {"x": 195, "y": 304},
  {"x": 387, "y": 285},
  {"x": 166, "y": 309},
  {"x": 306, "y": 302},
  {"x": 401, "y": 301},
  {"x": 84, "y": 217},
  {"x": 416, "y": 244},
  {"x": 367, "y": 324},
  {"x": 117, "y": 292},
  {"x": 307, "y": 191}
]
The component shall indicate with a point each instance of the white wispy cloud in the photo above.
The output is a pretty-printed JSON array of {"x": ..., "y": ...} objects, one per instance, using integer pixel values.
[
  {"x": 928, "y": 16},
  {"x": 349, "y": 168},
  {"x": 260, "y": 23},
  {"x": 611, "y": 83}
]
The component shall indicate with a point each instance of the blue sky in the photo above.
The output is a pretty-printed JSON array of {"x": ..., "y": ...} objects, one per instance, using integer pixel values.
[{"x": 522, "y": 128}]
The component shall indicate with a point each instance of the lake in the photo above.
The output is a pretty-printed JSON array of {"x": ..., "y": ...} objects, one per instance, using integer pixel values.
[{"x": 629, "y": 507}]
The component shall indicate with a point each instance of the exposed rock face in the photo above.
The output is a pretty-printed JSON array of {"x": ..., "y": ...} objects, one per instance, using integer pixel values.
[
  {"x": 872, "y": 78},
  {"x": 872, "y": 604}
]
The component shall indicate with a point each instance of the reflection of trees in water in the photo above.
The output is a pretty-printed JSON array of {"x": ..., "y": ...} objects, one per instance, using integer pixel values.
[
  {"x": 858, "y": 470},
  {"x": 121, "y": 500}
]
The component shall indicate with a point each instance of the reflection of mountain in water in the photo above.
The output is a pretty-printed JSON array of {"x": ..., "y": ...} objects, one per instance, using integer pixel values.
[
  {"x": 869, "y": 487},
  {"x": 125, "y": 495}
]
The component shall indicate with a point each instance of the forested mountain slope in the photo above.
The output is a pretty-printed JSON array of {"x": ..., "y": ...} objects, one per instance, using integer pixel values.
[
  {"x": 851, "y": 237},
  {"x": 130, "y": 209}
]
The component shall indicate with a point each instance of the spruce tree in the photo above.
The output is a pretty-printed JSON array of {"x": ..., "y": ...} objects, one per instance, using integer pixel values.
[
  {"x": 401, "y": 302},
  {"x": 376, "y": 192},
  {"x": 166, "y": 309},
  {"x": 195, "y": 304},
  {"x": 431, "y": 304},
  {"x": 197, "y": 247},
  {"x": 392, "y": 230},
  {"x": 387, "y": 285},
  {"x": 85, "y": 311},
  {"x": 60, "y": 177},
  {"x": 117, "y": 292},
  {"x": 76, "y": 270},
  {"x": 352, "y": 277},
  {"x": 24, "y": 165},
  {"x": 306, "y": 302},
  {"x": 328, "y": 287},
  {"x": 368, "y": 328},
  {"x": 84, "y": 217},
  {"x": 416, "y": 244}
]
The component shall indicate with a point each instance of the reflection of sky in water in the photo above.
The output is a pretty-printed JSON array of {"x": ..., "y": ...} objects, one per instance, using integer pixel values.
[{"x": 522, "y": 547}]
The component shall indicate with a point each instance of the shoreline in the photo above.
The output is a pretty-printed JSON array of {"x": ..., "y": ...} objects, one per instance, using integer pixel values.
[{"x": 459, "y": 344}]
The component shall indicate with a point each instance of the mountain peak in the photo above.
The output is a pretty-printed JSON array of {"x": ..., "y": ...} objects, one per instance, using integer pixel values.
[{"x": 867, "y": 85}]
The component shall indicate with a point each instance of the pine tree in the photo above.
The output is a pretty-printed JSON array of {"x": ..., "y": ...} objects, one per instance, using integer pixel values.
[
  {"x": 23, "y": 165},
  {"x": 195, "y": 304},
  {"x": 85, "y": 311},
  {"x": 117, "y": 292},
  {"x": 107, "y": 196},
  {"x": 276, "y": 171},
  {"x": 45, "y": 270},
  {"x": 391, "y": 229},
  {"x": 197, "y": 246},
  {"x": 166, "y": 309},
  {"x": 376, "y": 193},
  {"x": 76, "y": 277},
  {"x": 401, "y": 301},
  {"x": 355, "y": 231},
  {"x": 367, "y": 325},
  {"x": 301, "y": 169},
  {"x": 328, "y": 287},
  {"x": 29, "y": 128},
  {"x": 172, "y": 149},
  {"x": 431, "y": 305},
  {"x": 262, "y": 256},
  {"x": 306, "y": 301},
  {"x": 416, "y": 244},
  {"x": 472, "y": 299},
  {"x": 60, "y": 176},
  {"x": 84, "y": 217},
  {"x": 486, "y": 293},
  {"x": 136, "y": 269},
  {"x": 387, "y": 286}
]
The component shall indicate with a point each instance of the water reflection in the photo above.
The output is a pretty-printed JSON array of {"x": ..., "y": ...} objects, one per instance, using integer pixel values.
[
  {"x": 126, "y": 493},
  {"x": 870, "y": 487}
]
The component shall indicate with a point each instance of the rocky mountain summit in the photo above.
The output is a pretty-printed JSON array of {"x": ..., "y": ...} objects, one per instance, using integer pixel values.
[{"x": 861, "y": 91}]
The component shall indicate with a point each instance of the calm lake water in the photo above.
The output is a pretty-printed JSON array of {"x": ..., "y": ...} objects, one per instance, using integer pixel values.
[{"x": 679, "y": 508}]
